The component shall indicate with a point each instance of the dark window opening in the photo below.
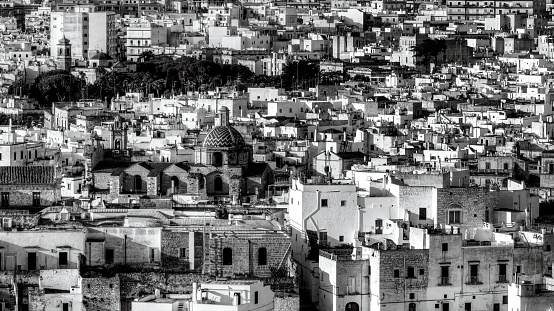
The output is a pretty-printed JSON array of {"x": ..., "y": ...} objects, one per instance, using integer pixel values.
[
  {"x": 227, "y": 256},
  {"x": 262, "y": 256},
  {"x": 218, "y": 184},
  {"x": 62, "y": 259},
  {"x": 422, "y": 213}
]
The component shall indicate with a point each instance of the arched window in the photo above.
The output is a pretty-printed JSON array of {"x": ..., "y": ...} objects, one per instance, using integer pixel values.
[
  {"x": 262, "y": 256},
  {"x": 217, "y": 159},
  {"x": 218, "y": 184},
  {"x": 201, "y": 182},
  {"x": 117, "y": 144},
  {"x": 352, "y": 306},
  {"x": 227, "y": 256},
  {"x": 138, "y": 183},
  {"x": 175, "y": 183}
]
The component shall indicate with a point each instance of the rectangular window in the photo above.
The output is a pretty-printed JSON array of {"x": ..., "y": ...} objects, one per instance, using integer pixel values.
[
  {"x": 467, "y": 306},
  {"x": 445, "y": 275},
  {"x": 422, "y": 213},
  {"x": 487, "y": 165},
  {"x": 445, "y": 247},
  {"x": 396, "y": 273},
  {"x": 15, "y": 156},
  {"x": 183, "y": 252},
  {"x": 323, "y": 236},
  {"x": 36, "y": 198},
  {"x": 502, "y": 278},
  {"x": 0, "y": 157},
  {"x": 421, "y": 271},
  {"x": 411, "y": 272},
  {"x": 109, "y": 256},
  {"x": 62, "y": 259},
  {"x": 454, "y": 217},
  {"x": 343, "y": 203},
  {"x": 323, "y": 202},
  {"x": 152, "y": 255},
  {"x": 473, "y": 273},
  {"x": 341, "y": 238},
  {"x": 5, "y": 199},
  {"x": 256, "y": 297},
  {"x": 504, "y": 300},
  {"x": 65, "y": 306}
]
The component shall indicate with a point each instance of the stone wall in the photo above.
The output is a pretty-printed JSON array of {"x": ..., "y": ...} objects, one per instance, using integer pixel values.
[
  {"x": 101, "y": 294},
  {"x": 473, "y": 202},
  {"x": 172, "y": 242},
  {"x": 22, "y": 195},
  {"x": 287, "y": 303},
  {"x": 399, "y": 288},
  {"x": 412, "y": 198},
  {"x": 245, "y": 250}
]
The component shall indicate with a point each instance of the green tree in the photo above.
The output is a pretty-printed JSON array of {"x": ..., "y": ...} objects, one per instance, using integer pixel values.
[
  {"x": 146, "y": 55},
  {"x": 56, "y": 86},
  {"x": 429, "y": 49},
  {"x": 300, "y": 74}
]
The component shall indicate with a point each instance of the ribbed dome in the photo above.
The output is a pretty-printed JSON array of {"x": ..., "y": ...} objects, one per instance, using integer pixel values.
[{"x": 224, "y": 137}]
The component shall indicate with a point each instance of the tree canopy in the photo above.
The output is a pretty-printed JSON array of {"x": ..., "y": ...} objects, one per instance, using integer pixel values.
[
  {"x": 429, "y": 49},
  {"x": 163, "y": 75},
  {"x": 56, "y": 86}
]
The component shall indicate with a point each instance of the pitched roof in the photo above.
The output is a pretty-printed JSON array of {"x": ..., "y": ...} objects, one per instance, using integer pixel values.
[
  {"x": 105, "y": 166},
  {"x": 22, "y": 175}
]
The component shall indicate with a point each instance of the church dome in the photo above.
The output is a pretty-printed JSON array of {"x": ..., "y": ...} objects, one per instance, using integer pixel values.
[{"x": 224, "y": 136}]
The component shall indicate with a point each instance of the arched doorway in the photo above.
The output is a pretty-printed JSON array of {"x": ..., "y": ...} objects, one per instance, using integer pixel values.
[
  {"x": 218, "y": 184},
  {"x": 412, "y": 306},
  {"x": 352, "y": 306}
]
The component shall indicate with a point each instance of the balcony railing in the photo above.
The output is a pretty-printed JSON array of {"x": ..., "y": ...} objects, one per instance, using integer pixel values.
[
  {"x": 474, "y": 280},
  {"x": 444, "y": 281},
  {"x": 502, "y": 279}
]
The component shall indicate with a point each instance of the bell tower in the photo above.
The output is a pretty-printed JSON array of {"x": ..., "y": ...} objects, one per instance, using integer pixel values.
[
  {"x": 118, "y": 134},
  {"x": 63, "y": 60}
]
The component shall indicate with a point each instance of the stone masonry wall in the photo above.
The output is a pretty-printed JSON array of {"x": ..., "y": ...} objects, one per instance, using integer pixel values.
[
  {"x": 473, "y": 202},
  {"x": 399, "y": 288},
  {"x": 287, "y": 304},
  {"x": 101, "y": 294},
  {"x": 245, "y": 250}
]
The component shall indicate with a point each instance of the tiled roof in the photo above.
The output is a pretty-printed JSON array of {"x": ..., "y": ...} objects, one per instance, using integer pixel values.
[
  {"x": 22, "y": 175},
  {"x": 224, "y": 137}
]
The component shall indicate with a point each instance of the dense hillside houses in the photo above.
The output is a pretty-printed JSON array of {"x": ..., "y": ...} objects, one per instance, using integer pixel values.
[{"x": 334, "y": 155}]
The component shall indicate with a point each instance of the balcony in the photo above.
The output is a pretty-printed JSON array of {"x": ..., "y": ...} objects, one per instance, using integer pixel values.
[
  {"x": 444, "y": 281},
  {"x": 474, "y": 280},
  {"x": 502, "y": 279}
]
